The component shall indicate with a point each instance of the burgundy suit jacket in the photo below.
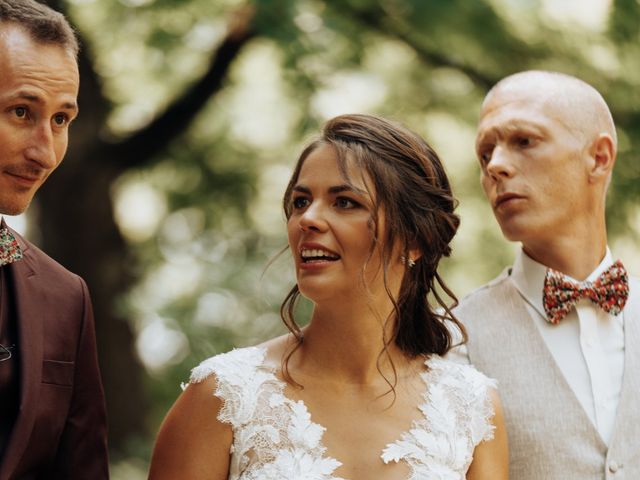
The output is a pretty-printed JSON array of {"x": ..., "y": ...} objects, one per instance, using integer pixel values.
[{"x": 60, "y": 431}]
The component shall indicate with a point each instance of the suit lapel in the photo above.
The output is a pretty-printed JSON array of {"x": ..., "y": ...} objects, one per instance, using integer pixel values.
[{"x": 30, "y": 319}]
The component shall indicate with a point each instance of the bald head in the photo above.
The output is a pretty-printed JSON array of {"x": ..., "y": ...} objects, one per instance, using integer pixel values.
[
  {"x": 547, "y": 146},
  {"x": 580, "y": 107}
]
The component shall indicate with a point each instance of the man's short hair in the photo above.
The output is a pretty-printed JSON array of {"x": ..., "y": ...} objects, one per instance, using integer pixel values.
[{"x": 44, "y": 24}]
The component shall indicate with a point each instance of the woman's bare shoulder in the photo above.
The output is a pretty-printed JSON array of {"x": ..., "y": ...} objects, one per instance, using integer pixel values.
[
  {"x": 275, "y": 350},
  {"x": 192, "y": 442}
]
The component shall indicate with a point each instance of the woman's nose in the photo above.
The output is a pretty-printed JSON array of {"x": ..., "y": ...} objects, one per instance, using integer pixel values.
[{"x": 313, "y": 218}]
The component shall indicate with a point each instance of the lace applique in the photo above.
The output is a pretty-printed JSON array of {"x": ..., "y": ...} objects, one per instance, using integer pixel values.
[
  {"x": 275, "y": 439},
  {"x": 457, "y": 412},
  {"x": 273, "y": 436}
]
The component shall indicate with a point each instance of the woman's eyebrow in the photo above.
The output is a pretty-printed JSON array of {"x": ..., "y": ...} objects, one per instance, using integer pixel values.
[{"x": 347, "y": 188}]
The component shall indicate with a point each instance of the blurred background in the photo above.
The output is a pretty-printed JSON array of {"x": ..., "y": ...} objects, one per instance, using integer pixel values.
[{"x": 193, "y": 113}]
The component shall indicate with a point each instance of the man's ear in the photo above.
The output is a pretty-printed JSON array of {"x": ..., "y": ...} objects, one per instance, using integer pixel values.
[{"x": 603, "y": 156}]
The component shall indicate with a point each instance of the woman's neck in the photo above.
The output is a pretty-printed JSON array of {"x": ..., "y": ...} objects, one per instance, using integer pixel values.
[{"x": 345, "y": 344}]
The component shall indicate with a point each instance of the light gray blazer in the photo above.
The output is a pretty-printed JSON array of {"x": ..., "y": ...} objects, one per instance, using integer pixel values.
[{"x": 550, "y": 434}]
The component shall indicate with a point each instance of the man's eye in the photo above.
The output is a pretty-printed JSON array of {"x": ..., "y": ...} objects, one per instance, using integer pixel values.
[
  {"x": 20, "y": 112},
  {"x": 60, "y": 119},
  {"x": 523, "y": 141},
  {"x": 485, "y": 157}
]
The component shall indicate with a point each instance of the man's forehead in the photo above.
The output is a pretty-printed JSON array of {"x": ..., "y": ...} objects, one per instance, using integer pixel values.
[
  {"x": 543, "y": 89},
  {"x": 521, "y": 93},
  {"x": 12, "y": 34},
  {"x": 15, "y": 38},
  {"x": 515, "y": 106},
  {"x": 516, "y": 111}
]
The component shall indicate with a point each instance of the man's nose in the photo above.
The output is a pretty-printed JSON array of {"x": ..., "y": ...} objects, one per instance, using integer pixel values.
[
  {"x": 500, "y": 165},
  {"x": 42, "y": 146}
]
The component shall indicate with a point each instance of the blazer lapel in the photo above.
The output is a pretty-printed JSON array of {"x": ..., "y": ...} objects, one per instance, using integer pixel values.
[{"x": 30, "y": 319}]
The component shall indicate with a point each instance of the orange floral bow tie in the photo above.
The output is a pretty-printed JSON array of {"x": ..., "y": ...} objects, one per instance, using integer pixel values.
[
  {"x": 10, "y": 251},
  {"x": 610, "y": 291}
]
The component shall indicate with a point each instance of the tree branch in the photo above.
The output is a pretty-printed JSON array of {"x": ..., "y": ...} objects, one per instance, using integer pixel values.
[
  {"x": 142, "y": 146},
  {"x": 378, "y": 20}
]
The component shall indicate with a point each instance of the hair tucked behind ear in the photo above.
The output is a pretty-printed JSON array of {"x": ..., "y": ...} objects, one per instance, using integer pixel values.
[{"x": 413, "y": 190}]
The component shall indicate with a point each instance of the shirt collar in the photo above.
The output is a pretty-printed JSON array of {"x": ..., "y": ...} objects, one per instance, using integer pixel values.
[{"x": 528, "y": 277}]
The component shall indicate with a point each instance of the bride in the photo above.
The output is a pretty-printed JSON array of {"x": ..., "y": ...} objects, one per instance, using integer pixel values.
[{"x": 363, "y": 391}]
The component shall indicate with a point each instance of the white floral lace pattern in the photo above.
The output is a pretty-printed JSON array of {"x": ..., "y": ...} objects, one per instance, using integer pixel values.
[
  {"x": 457, "y": 412},
  {"x": 275, "y": 439}
]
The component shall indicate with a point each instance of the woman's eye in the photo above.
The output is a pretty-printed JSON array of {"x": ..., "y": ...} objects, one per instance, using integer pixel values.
[
  {"x": 523, "y": 141},
  {"x": 300, "y": 202},
  {"x": 343, "y": 202}
]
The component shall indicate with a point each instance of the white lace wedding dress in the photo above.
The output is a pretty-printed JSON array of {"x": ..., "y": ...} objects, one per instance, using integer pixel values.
[{"x": 275, "y": 439}]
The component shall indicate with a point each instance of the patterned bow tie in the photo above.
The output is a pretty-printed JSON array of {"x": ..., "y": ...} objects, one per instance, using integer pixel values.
[
  {"x": 609, "y": 291},
  {"x": 10, "y": 251}
]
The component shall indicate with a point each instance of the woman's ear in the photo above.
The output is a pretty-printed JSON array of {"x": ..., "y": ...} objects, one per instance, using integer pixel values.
[{"x": 414, "y": 256}]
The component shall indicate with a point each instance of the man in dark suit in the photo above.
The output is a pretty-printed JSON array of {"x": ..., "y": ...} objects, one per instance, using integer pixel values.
[{"x": 52, "y": 414}]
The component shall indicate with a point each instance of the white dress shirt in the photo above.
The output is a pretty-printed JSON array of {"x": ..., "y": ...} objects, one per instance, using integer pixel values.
[{"x": 587, "y": 345}]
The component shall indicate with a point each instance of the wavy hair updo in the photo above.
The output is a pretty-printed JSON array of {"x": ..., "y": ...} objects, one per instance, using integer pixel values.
[{"x": 411, "y": 187}]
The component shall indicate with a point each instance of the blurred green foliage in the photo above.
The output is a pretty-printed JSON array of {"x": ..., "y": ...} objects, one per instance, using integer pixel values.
[{"x": 199, "y": 266}]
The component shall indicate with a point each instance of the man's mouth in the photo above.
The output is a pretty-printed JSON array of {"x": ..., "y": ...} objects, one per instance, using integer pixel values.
[
  {"x": 25, "y": 173},
  {"x": 25, "y": 179},
  {"x": 505, "y": 197}
]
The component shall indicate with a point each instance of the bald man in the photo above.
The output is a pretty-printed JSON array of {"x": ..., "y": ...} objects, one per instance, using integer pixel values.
[{"x": 560, "y": 329}]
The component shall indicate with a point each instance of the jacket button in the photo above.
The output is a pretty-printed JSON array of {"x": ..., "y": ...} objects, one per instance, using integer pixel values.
[{"x": 613, "y": 466}]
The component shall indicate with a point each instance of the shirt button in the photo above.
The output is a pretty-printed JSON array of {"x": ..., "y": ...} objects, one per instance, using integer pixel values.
[{"x": 613, "y": 466}]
